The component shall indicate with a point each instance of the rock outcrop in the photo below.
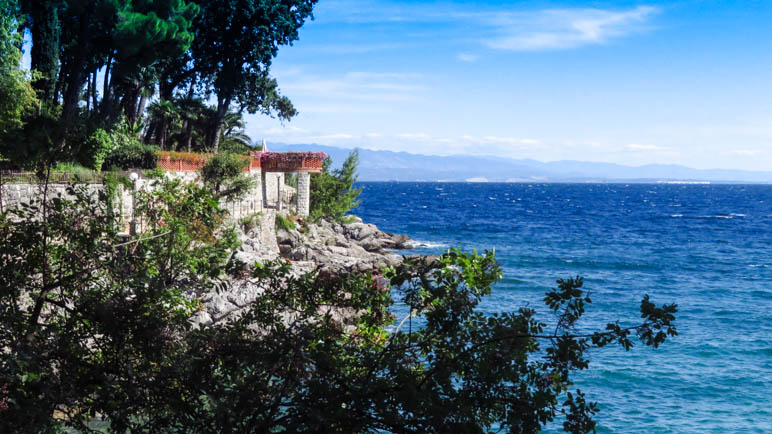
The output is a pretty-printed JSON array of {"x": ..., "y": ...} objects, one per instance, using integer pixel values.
[
  {"x": 334, "y": 247},
  {"x": 341, "y": 247}
]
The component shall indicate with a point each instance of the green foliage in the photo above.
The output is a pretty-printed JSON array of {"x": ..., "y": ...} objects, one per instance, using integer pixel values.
[
  {"x": 118, "y": 148},
  {"x": 291, "y": 179},
  {"x": 147, "y": 31},
  {"x": 71, "y": 167},
  {"x": 129, "y": 153},
  {"x": 283, "y": 222},
  {"x": 98, "y": 146},
  {"x": 250, "y": 222},
  {"x": 91, "y": 323},
  {"x": 332, "y": 192},
  {"x": 224, "y": 174},
  {"x": 17, "y": 98},
  {"x": 97, "y": 61},
  {"x": 233, "y": 49}
]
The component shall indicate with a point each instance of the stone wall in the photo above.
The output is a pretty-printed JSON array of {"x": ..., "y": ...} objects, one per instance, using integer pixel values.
[
  {"x": 14, "y": 195},
  {"x": 263, "y": 197}
]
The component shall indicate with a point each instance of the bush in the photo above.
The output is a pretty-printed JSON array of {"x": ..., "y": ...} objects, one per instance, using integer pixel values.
[
  {"x": 284, "y": 223},
  {"x": 98, "y": 146},
  {"x": 250, "y": 222},
  {"x": 133, "y": 155},
  {"x": 224, "y": 174},
  {"x": 71, "y": 167}
]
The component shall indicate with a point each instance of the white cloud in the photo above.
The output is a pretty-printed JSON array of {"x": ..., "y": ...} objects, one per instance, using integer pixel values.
[
  {"x": 466, "y": 57},
  {"x": 508, "y": 28},
  {"x": 745, "y": 152},
  {"x": 415, "y": 136},
  {"x": 338, "y": 136},
  {"x": 639, "y": 147},
  {"x": 338, "y": 93},
  {"x": 558, "y": 29}
]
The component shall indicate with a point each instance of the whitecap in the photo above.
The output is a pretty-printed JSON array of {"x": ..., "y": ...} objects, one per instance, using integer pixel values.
[
  {"x": 416, "y": 244},
  {"x": 676, "y": 215}
]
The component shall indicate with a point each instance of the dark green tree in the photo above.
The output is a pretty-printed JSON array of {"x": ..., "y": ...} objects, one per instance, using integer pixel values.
[
  {"x": 45, "y": 30},
  {"x": 17, "y": 100},
  {"x": 332, "y": 191},
  {"x": 235, "y": 43}
]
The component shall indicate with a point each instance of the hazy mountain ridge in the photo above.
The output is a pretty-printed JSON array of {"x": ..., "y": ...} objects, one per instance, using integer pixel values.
[{"x": 403, "y": 166}]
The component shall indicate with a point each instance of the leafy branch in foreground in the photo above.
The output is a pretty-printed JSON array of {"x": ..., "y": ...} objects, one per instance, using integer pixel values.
[
  {"x": 331, "y": 358},
  {"x": 90, "y": 320}
]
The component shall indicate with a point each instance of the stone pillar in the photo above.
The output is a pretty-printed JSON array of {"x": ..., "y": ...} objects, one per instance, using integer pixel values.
[
  {"x": 304, "y": 193},
  {"x": 263, "y": 191},
  {"x": 279, "y": 183}
]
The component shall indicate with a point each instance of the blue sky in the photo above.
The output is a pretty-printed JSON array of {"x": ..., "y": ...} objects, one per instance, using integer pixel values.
[{"x": 681, "y": 82}]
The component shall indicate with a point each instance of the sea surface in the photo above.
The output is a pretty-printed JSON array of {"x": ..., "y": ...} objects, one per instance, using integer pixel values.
[{"x": 707, "y": 248}]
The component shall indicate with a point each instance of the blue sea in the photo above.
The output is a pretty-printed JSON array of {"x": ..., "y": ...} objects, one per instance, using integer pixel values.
[{"x": 707, "y": 248}]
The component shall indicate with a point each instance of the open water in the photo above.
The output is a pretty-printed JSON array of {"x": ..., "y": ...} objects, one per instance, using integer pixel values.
[{"x": 707, "y": 248}]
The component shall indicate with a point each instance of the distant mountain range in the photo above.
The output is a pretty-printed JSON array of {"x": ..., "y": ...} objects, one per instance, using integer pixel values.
[{"x": 403, "y": 166}]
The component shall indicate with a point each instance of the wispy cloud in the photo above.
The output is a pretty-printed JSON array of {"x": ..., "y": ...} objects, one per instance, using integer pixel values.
[
  {"x": 466, "y": 57},
  {"x": 344, "y": 92},
  {"x": 559, "y": 29},
  {"x": 639, "y": 147},
  {"x": 745, "y": 152},
  {"x": 504, "y": 27}
]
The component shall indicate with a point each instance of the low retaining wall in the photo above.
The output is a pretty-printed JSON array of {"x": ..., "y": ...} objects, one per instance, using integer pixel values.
[{"x": 264, "y": 196}]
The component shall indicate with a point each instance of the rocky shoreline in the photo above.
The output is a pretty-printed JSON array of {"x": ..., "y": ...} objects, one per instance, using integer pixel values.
[{"x": 330, "y": 246}]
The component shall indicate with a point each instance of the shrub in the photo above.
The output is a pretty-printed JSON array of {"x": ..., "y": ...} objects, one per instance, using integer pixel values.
[
  {"x": 125, "y": 149},
  {"x": 98, "y": 146},
  {"x": 284, "y": 222},
  {"x": 134, "y": 155},
  {"x": 250, "y": 222},
  {"x": 224, "y": 174}
]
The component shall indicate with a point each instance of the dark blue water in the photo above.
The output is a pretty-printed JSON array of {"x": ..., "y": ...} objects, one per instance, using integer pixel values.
[{"x": 707, "y": 248}]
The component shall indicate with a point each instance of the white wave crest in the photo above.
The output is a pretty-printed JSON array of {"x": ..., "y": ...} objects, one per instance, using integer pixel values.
[{"x": 416, "y": 244}]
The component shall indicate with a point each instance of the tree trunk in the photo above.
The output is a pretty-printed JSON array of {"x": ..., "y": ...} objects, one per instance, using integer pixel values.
[
  {"x": 150, "y": 131},
  {"x": 142, "y": 105},
  {"x": 222, "y": 109},
  {"x": 162, "y": 132},
  {"x": 188, "y": 118},
  {"x": 94, "y": 89},
  {"x": 188, "y": 133},
  {"x": 88, "y": 92},
  {"x": 131, "y": 98},
  {"x": 106, "y": 84},
  {"x": 75, "y": 80}
]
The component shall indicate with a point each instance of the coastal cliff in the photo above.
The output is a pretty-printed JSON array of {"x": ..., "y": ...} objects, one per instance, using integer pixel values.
[{"x": 330, "y": 246}]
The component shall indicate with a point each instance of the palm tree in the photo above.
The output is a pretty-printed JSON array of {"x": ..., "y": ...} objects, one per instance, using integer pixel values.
[
  {"x": 233, "y": 137},
  {"x": 192, "y": 111},
  {"x": 163, "y": 116}
]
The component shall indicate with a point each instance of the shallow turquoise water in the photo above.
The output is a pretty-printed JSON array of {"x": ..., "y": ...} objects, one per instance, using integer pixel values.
[{"x": 706, "y": 247}]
